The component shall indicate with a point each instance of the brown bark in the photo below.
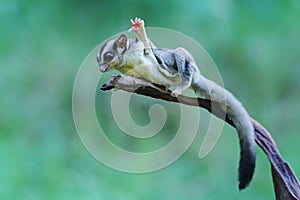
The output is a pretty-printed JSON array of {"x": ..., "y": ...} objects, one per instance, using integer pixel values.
[{"x": 286, "y": 184}]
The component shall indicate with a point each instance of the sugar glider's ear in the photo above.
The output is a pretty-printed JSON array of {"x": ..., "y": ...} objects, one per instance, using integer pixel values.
[{"x": 121, "y": 44}]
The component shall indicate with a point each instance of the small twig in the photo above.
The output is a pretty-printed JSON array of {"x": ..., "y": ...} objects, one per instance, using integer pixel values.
[{"x": 286, "y": 184}]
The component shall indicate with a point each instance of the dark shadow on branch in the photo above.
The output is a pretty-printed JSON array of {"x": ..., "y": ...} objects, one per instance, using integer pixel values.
[{"x": 286, "y": 184}]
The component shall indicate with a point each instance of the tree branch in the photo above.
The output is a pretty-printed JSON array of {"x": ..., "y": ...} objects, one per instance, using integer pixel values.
[{"x": 286, "y": 184}]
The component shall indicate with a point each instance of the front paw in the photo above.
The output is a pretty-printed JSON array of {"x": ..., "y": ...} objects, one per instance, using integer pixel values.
[{"x": 137, "y": 24}]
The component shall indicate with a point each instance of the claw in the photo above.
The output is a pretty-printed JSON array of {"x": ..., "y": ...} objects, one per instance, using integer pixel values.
[{"x": 137, "y": 23}]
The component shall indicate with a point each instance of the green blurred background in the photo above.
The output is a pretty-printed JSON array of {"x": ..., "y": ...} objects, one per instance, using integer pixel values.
[{"x": 42, "y": 44}]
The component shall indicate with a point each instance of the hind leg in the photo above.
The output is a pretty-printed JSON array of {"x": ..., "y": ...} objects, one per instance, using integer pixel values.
[
  {"x": 182, "y": 86},
  {"x": 185, "y": 70}
]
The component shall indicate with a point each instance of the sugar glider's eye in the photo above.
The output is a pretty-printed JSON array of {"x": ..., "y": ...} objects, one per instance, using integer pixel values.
[{"x": 108, "y": 56}]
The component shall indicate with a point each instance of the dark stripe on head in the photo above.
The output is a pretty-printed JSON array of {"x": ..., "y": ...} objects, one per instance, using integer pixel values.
[{"x": 102, "y": 48}]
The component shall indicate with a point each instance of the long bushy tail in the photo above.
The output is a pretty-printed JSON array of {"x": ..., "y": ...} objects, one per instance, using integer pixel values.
[
  {"x": 244, "y": 127},
  {"x": 241, "y": 120}
]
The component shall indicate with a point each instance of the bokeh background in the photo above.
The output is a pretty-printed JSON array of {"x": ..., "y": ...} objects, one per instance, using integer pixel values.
[{"x": 42, "y": 44}]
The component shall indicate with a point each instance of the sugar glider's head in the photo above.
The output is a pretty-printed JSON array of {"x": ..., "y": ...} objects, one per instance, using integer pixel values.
[{"x": 111, "y": 53}]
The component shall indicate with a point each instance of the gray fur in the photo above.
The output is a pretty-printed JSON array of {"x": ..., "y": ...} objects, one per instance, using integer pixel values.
[{"x": 176, "y": 67}]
